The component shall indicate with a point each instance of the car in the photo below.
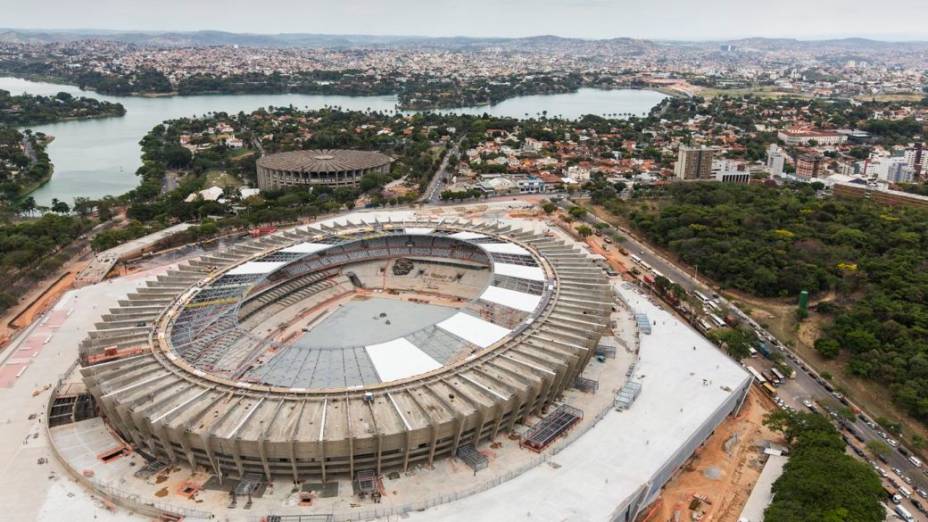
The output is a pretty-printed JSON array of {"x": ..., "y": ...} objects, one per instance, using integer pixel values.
[
  {"x": 897, "y": 499},
  {"x": 922, "y": 493},
  {"x": 897, "y": 471},
  {"x": 906, "y": 479},
  {"x": 904, "y": 452},
  {"x": 892, "y": 442},
  {"x": 808, "y": 404}
]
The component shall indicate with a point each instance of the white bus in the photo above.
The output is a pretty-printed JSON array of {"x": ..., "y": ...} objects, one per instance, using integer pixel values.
[
  {"x": 657, "y": 273},
  {"x": 772, "y": 378},
  {"x": 717, "y": 320},
  {"x": 757, "y": 376},
  {"x": 778, "y": 374},
  {"x": 647, "y": 267},
  {"x": 635, "y": 259},
  {"x": 904, "y": 513},
  {"x": 699, "y": 295}
]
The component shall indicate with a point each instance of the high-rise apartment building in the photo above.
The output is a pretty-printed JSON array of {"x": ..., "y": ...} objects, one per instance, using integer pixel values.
[
  {"x": 809, "y": 165},
  {"x": 694, "y": 163}
]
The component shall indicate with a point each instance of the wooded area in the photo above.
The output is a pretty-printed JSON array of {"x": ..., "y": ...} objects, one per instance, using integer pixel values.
[
  {"x": 821, "y": 483},
  {"x": 778, "y": 241}
]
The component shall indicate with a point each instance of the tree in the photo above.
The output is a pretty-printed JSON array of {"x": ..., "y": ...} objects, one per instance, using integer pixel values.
[
  {"x": 60, "y": 207},
  {"x": 878, "y": 448},
  {"x": 577, "y": 212},
  {"x": 918, "y": 442},
  {"x": 548, "y": 207},
  {"x": 584, "y": 231},
  {"x": 83, "y": 206},
  {"x": 821, "y": 482},
  {"x": 27, "y": 205}
]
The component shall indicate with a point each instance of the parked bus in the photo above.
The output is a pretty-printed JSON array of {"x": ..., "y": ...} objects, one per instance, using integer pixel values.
[
  {"x": 779, "y": 375},
  {"x": 657, "y": 273},
  {"x": 904, "y": 513},
  {"x": 771, "y": 391},
  {"x": 717, "y": 320},
  {"x": 699, "y": 295},
  {"x": 647, "y": 267},
  {"x": 772, "y": 378},
  {"x": 635, "y": 259},
  {"x": 757, "y": 376}
]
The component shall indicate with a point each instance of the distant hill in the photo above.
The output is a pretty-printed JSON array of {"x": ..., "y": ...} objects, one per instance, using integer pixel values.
[{"x": 539, "y": 43}]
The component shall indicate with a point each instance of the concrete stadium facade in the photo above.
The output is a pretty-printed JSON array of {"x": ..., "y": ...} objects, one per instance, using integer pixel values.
[
  {"x": 182, "y": 371},
  {"x": 307, "y": 168}
]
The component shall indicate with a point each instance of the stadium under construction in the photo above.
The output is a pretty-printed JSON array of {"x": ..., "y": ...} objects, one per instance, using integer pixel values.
[
  {"x": 286, "y": 357},
  {"x": 367, "y": 366}
]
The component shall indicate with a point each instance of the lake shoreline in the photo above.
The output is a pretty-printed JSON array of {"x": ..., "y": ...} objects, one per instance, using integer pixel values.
[{"x": 99, "y": 156}]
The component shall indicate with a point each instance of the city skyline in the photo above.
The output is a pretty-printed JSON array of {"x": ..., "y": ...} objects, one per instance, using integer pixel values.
[{"x": 590, "y": 19}]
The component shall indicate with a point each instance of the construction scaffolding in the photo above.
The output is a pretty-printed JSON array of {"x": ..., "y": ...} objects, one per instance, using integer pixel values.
[
  {"x": 605, "y": 350},
  {"x": 586, "y": 385},
  {"x": 319, "y": 517},
  {"x": 627, "y": 395},
  {"x": 548, "y": 429},
  {"x": 366, "y": 482},
  {"x": 473, "y": 458},
  {"x": 644, "y": 324}
]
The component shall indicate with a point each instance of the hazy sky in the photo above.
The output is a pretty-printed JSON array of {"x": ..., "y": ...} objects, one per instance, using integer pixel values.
[{"x": 666, "y": 19}]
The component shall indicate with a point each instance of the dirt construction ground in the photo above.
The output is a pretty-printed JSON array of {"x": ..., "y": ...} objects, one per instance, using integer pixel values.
[{"x": 722, "y": 479}]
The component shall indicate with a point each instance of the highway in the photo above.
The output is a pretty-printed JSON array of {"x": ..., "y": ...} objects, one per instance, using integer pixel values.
[
  {"x": 433, "y": 191},
  {"x": 807, "y": 384}
]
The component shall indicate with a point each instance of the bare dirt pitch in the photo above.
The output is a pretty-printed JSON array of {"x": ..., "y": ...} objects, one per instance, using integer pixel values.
[{"x": 723, "y": 472}]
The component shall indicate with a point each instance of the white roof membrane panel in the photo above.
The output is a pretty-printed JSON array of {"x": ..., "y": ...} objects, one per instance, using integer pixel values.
[
  {"x": 511, "y": 298},
  {"x": 473, "y": 329},
  {"x": 256, "y": 267},
  {"x": 532, "y": 273},
  {"x": 399, "y": 359},
  {"x": 306, "y": 248}
]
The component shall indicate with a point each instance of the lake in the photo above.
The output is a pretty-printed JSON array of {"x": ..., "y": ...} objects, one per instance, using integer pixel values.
[{"x": 95, "y": 158}]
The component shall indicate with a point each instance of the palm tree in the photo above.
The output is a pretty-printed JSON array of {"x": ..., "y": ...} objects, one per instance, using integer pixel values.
[{"x": 27, "y": 205}]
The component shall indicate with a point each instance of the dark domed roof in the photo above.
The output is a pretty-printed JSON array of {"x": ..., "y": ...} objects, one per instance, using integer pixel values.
[{"x": 327, "y": 160}]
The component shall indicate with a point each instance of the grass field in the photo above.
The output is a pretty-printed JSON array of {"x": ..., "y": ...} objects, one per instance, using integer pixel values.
[
  {"x": 221, "y": 179},
  {"x": 911, "y": 97},
  {"x": 764, "y": 92}
]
